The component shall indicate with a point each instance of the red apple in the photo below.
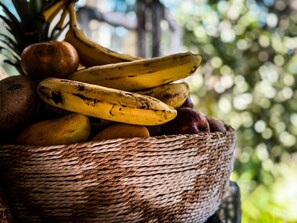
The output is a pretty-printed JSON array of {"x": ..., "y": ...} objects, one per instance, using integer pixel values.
[
  {"x": 216, "y": 125},
  {"x": 188, "y": 103},
  {"x": 187, "y": 121}
]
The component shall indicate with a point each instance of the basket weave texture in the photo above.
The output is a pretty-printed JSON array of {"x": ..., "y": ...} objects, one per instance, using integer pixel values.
[
  {"x": 179, "y": 178},
  {"x": 5, "y": 215}
]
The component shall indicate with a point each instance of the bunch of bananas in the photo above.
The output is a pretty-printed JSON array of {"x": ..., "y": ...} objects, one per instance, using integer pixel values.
[{"x": 114, "y": 86}]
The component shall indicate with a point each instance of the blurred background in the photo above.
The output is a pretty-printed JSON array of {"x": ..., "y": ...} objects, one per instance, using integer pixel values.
[{"x": 247, "y": 79}]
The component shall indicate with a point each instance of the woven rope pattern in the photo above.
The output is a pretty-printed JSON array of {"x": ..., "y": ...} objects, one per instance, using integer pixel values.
[
  {"x": 5, "y": 215},
  {"x": 158, "y": 179}
]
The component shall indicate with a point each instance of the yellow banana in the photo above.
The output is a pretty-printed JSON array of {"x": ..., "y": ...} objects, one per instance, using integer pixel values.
[
  {"x": 173, "y": 94},
  {"x": 62, "y": 21},
  {"x": 50, "y": 13},
  {"x": 140, "y": 74},
  {"x": 91, "y": 53},
  {"x": 105, "y": 103}
]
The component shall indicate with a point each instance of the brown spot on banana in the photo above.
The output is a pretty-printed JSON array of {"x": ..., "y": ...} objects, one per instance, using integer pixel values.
[
  {"x": 81, "y": 87},
  {"x": 145, "y": 105},
  {"x": 193, "y": 69},
  {"x": 57, "y": 97},
  {"x": 167, "y": 97},
  {"x": 88, "y": 101},
  {"x": 50, "y": 95},
  {"x": 111, "y": 110}
]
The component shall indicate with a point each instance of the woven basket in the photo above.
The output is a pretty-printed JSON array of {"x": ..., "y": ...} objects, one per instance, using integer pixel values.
[
  {"x": 5, "y": 215},
  {"x": 179, "y": 178}
]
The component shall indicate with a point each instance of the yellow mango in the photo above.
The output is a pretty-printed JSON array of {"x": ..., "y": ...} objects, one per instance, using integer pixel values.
[
  {"x": 122, "y": 130},
  {"x": 68, "y": 129}
]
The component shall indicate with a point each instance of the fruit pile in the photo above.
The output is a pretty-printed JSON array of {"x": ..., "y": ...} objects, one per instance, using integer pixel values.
[{"x": 76, "y": 90}]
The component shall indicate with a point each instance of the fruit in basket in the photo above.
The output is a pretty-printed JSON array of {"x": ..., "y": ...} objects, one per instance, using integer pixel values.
[
  {"x": 173, "y": 94},
  {"x": 49, "y": 59},
  {"x": 104, "y": 103},
  {"x": 216, "y": 125},
  {"x": 91, "y": 53},
  {"x": 68, "y": 129},
  {"x": 106, "y": 90},
  {"x": 187, "y": 121},
  {"x": 19, "y": 103},
  {"x": 122, "y": 130},
  {"x": 23, "y": 27},
  {"x": 188, "y": 103},
  {"x": 141, "y": 74},
  {"x": 98, "y": 124}
]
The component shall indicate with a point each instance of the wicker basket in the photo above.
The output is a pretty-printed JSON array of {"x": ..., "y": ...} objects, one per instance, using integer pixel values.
[
  {"x": 5, "y": 215},
  {"x": 179, "y": 178}
]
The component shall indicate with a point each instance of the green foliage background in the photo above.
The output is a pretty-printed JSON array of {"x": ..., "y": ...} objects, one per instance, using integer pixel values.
[{"x": 248, "y": 80}]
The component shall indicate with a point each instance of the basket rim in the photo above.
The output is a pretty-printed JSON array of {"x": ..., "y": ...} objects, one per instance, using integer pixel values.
[{"x": 229, "y": 130}]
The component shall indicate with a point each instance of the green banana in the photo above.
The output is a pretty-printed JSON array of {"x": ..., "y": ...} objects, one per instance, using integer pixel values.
[
  {"x": 141, "y": 74},
  {"x": 91, "y": 53},
  {"x": 105, "y": 103},
  {"x": 173, "y": 94}
]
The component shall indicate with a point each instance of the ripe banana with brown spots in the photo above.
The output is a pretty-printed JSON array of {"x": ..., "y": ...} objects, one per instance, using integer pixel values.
[
  {"x": 90, "y": 52},
  {"x": 105, "y": 103},
  {"x": 173, "y": 94},
  {"x": 141, "y": 74}
]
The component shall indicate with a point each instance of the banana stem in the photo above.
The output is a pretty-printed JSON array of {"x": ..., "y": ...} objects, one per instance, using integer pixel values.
[
  {"x": 50, "y": 13},
  {"x": 60, "y": 25},
  {"x": 72, "y": 15}
]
